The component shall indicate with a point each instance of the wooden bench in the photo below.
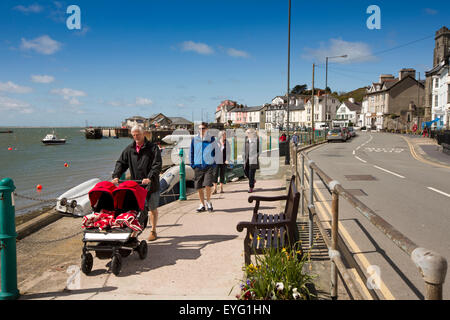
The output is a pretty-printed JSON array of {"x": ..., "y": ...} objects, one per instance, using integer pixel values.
[{"x": 266, "y": 231}]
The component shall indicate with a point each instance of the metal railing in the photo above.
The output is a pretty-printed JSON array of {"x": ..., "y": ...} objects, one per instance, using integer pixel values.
[{"x": 431, "y": 265}]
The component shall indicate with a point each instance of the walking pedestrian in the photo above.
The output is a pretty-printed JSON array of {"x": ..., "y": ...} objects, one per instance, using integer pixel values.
[
  {"x": 425, "y": 132},
  {"x": 223, "y": 151},
  {"x": 202, "y": 155},
  {"x": 295, "y": 138},
  {"x": 250, "y": 156},
  {"x": 143, "y": 159}
]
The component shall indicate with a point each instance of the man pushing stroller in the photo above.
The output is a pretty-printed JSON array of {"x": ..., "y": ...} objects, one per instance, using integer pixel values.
[{"x": 143, "y": 158}]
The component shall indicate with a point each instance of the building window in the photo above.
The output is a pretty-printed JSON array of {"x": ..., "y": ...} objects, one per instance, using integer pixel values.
[
  {"x": 436, "y": 100},
  {"x": 436, "y": 83}
]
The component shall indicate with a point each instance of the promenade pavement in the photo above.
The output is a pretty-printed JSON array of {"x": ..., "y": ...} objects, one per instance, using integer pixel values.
[{"x": 196, "y": 256}]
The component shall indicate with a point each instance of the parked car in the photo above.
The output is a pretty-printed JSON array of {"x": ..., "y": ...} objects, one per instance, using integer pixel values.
[
  {"x": 352, "y": 131},
  {"x": 337, "y": 134}
]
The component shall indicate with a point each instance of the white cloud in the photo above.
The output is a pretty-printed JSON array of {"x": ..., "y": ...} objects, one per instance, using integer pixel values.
[
  {"x": 143, "y": 101},
  {"x": 356, "y": 51},
  {"x": 200, "y": 48},
  {"x": 237, "y": 53},
  {"x": 11, "y": 87},
  {"x": 33, "y": 8},
  {"x": 43, "y": 44},
  {"x": 42, "y": 78},
  {"x": 9, "y": 104},
  {"x": 70, "y": 95}
]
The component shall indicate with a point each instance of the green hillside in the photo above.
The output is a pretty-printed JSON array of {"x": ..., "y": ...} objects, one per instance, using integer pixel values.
[{"x": 357, "y": 94}]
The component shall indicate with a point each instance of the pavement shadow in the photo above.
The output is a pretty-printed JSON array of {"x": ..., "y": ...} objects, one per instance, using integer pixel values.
[
  {"x": 167, "y": 251},
  {"x": 64, "y": 293},
  {"x": 381, "y": 251},
  {"x": 256, "y": 189}
]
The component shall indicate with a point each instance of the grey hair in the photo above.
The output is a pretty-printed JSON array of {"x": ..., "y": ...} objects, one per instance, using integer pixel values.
[{"x": 137, "y": 128}]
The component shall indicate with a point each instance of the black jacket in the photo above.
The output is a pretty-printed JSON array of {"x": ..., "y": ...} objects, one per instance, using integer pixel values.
[
  {"x": 145, "y": 164},
  {"x": 251, "y": 154}
]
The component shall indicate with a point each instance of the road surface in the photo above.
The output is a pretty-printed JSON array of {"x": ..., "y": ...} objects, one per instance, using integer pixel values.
[{"x": 411, "y": 195}]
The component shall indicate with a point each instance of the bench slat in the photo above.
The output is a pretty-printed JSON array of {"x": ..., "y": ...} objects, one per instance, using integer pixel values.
[
  {"x": 256, "y": 234},
  {"x": 270, "y": 232},
  {"x": 262, "y": 240}
]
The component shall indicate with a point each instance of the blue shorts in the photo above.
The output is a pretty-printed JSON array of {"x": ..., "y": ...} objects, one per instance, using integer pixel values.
[{"x": 152, "y": 201}]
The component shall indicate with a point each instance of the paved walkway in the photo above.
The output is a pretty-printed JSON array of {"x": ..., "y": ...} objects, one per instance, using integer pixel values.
[{"x": 197, "y": 255}]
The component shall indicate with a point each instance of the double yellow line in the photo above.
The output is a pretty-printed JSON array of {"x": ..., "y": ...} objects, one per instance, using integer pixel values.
[
  {"x": 324, "y": 212},
  {"x": 324, "y": 209},
  {"x": 420, "y": 158}
]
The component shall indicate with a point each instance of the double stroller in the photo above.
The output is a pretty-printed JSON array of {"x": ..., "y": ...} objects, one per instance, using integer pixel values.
[{"x": 111, "y": 231}]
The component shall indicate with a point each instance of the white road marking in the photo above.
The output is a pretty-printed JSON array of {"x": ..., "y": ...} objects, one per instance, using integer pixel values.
[
  {"x": 385, "y": 150},
  {"x": 393, "y": 173},
  {"x": 354, "y": 152},
  {"x": 360, "y": 159},
  {"x": 439, "y": 191}
]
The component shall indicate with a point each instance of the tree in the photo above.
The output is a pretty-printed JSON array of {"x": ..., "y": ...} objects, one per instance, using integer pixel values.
[{"x": 299, "y": 89}]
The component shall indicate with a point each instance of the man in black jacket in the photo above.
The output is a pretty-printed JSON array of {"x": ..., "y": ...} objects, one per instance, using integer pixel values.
[{"x": 143, "y": 158}]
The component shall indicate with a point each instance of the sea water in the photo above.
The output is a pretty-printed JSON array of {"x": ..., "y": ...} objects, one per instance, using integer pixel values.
[{"x": 31, "y": 163}]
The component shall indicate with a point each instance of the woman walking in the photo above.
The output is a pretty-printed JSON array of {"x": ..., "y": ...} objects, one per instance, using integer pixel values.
[
  {"x": 222, "y": 160},
  {"x": 251, "y": 161}
]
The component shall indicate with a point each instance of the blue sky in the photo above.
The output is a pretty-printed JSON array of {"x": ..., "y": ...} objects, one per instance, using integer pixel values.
[{"x": 183, "y": 57}]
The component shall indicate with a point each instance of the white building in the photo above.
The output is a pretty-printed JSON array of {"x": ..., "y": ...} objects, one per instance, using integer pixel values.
[
  {"x": 323, "y": 116},
  {"x": 136, "y": 120},
  {"x": 348, "y": 113},
  {"x": 365, "y": 114},
  {"x": 440, "y": 95}
]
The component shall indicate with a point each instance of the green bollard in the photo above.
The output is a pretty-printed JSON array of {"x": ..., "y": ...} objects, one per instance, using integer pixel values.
[
  {"x": 270, "y": 144},
  {"x": 182, "y": 176},
  {"x": 8, "y": 237}
]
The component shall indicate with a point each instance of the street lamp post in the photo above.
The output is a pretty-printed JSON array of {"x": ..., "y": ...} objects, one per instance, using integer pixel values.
[
  {"x": 326, "y": 82},
  {"x": 287, "y": 158}
]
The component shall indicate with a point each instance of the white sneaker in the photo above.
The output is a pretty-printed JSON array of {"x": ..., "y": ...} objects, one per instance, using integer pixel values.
[
  {"x": 209, "y": 206},
  {"x": 201, "y": 208}
]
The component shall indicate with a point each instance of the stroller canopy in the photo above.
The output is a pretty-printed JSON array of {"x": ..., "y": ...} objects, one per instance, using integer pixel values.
[
  {"x": 129, "y": 196},
  {"x": 101, "y": 196}
]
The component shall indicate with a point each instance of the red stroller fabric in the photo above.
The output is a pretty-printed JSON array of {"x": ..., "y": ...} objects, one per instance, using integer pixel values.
[
  {"x": 139, "y": 193},
  {"x": 100, "y": 188}
]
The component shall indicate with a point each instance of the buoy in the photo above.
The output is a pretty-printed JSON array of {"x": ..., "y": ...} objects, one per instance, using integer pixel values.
[
  {"x": 10, "y": 149},
  {"x": 66, "y": 165},
  {"x": 38, "y": 187}
]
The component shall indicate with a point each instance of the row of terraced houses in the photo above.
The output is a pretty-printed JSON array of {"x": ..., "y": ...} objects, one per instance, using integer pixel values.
[{"x": 393, "y": 102}]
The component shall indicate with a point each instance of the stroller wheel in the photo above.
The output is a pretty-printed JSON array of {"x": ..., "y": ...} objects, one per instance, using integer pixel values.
[
  {"x": 116, "y": 264},
  {"x": 143, "y": 249},
  {"x": 87, "y": 261}
]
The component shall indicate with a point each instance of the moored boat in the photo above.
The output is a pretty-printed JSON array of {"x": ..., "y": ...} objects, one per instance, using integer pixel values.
[{"x": 51, "y": 138}]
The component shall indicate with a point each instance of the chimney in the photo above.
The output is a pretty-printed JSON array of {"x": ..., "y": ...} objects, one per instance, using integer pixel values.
[
  {"x": 385, "y": 77},
  {"x": 352, "y": 100},
  {"x": 406, "y": 72}
]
